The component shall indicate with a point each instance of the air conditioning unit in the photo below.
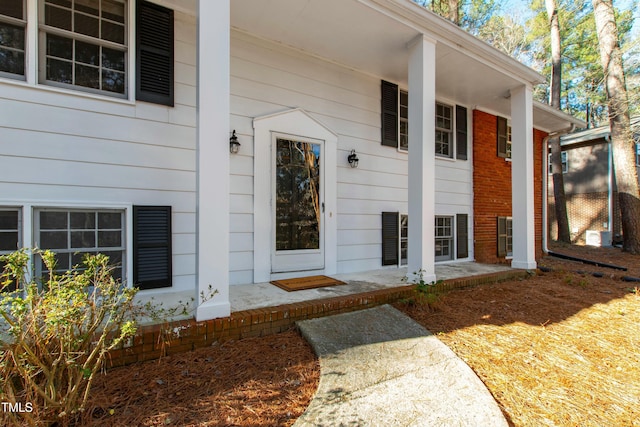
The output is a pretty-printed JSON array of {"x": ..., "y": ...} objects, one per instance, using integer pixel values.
[{"x": 598, "y": 238}]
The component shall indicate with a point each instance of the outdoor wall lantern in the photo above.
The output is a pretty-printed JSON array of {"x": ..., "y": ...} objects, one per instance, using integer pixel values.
[
  {"x": 234, "y": 145},
  {"x": 353, "y": 159}
]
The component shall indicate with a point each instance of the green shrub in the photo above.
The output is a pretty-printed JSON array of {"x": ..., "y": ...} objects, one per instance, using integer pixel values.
[
  {"x": 426, "y": 294},
  {"x": 55, "y": 334}
]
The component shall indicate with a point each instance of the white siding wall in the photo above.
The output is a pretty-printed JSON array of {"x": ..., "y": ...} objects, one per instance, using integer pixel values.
[
  {"x": 268, "y": 78},
  {"x": 67, "y": 148}
]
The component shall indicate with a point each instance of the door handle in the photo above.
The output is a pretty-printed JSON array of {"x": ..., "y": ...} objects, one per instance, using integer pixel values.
[{"x": 322, "y": 207}]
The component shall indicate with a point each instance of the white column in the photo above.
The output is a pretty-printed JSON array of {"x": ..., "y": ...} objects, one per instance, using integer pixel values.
[
  {"x": 213, "y": 132},
  {"x": 522, "y": 173},
  {"x": 422, "y": 105}
]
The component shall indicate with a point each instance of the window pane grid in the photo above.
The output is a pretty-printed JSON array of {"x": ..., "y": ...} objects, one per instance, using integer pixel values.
[
  {"x": 404, "y": 120},
  {"x": 509, "y": 237},
  {"x": 404, "y": 239},
  {"x": 444, "y": 238},
  {"x": 86, "y": 44},
  {"x": 73, "y": 234},
  {"x": 10, "y": 235},
  {"x": 12, "y": 38},
  {"x": 444, "y": 130}
]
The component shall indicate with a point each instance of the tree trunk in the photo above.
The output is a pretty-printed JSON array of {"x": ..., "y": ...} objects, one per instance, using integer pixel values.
[
  {"x": 562, "y": 218},
  {"x": 621, "y": 137},
  {"x": 454, "y": 11}
]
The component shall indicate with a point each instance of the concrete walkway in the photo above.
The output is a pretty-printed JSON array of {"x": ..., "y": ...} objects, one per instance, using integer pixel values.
[{"x": 380, "y": 368}]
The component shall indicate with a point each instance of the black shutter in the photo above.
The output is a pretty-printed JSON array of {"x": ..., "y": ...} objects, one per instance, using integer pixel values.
[
  {"x": 390, "y": 235},
  {"x": 462, "y": 236},
  {"x": 461, "y": 132},
  {"x": 389, "y": 108},
  {"x": 152, "y": 246},
  {"x": 502, "y": 236},
  {"x": 154, "y": 53},
  {"x": 502, "y": 137}
]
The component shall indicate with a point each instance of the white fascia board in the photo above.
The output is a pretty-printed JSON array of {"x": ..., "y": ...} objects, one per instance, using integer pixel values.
[
  {"x": 561, "y": 115},
  {"x": 446, "y": 32}
]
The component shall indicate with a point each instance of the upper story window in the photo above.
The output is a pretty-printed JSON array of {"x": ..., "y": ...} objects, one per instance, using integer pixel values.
[
  {"x": 83, "y": 44},
  {"x": 404, "y": 121},
  {"x": 504, "y": 138},
  {"x": 638, "y": 151},
  {"x": 444, "y": 130},
  {"x": 395, "y": 124},
  {"x": 12, "y": 38}
]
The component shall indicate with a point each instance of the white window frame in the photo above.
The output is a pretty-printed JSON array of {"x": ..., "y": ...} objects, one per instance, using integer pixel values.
[
  {"x": 509, "y": 245},
  {"x": 22, "y": 23},
  {"x": 44, "y": 30},
  {"x": 508, "y": 236},
  {"x": 443, "y": 130},
  {"x": 449, "y": 239},
  {"x": 124, "y": 237},
  {"x": 565, "y": 162},
  {"x": 403, "y": 239},
  {"x": 403, "y": 121},
  {"x": 18, "y": 212},
  {"x": 509, "y": 139}
]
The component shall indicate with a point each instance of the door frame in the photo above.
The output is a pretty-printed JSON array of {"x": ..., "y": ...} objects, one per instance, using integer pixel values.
[
  {"x": 295, "y": 123},
  {"x": 299, "y": 260}
]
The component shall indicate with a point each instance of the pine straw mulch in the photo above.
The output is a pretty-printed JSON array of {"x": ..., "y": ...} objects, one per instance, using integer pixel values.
[
  {"x": 266, "y": 381},
  {"x": 559, "y": 348},
  {"x": 556, "y": 349}
]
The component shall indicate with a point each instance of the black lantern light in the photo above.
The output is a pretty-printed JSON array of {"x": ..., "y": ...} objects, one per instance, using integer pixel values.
[
  {"x": 234, "y": 145},
  {"x": 353, "y": 159}
]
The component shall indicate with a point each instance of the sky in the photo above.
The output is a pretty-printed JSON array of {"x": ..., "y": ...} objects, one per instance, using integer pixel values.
[{"x": 520, "y": 8}]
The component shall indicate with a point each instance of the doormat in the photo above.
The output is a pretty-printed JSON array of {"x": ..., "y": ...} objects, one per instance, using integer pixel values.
[{"x": 311, "y": 282}]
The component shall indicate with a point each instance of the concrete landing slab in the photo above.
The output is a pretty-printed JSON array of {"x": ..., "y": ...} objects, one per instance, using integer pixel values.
[{"x": 380, "y": 368}]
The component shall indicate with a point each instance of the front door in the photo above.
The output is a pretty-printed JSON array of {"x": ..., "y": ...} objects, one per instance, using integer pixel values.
[{"x": 298, "y": 204}]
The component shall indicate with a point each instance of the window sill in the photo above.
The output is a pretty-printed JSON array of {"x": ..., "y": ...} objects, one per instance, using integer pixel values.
[
  {"x": 44, "y": 88},
  {"x": 446, "y": 159}
]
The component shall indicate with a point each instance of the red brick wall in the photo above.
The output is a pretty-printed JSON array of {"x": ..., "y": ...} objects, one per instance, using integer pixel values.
[
  {"x": 155, "y": 341},
  {"x": 492, "y": 188}
]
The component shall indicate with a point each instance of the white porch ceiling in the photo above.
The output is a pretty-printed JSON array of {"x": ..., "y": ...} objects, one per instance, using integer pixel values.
[{"x": 371, "y": 36}]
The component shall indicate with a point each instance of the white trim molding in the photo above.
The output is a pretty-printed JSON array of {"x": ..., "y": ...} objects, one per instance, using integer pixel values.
[
  {"x": 522, "y": 194},
  {"x": 295, "y": 122},
  {"x": 422, "y": 163},
  {"x": 212, "y": 163}
]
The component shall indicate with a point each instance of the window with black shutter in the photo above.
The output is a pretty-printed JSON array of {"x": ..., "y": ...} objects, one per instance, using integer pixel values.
[
  {"x": 395, "y": 123},
  {"x": 504, "y": 141},
  {"x": 395, "y": 237},
  {"x": 152, "y": 246},
  {"x": 154, "y": 53},
  {"x": 505, "y": 236}
]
